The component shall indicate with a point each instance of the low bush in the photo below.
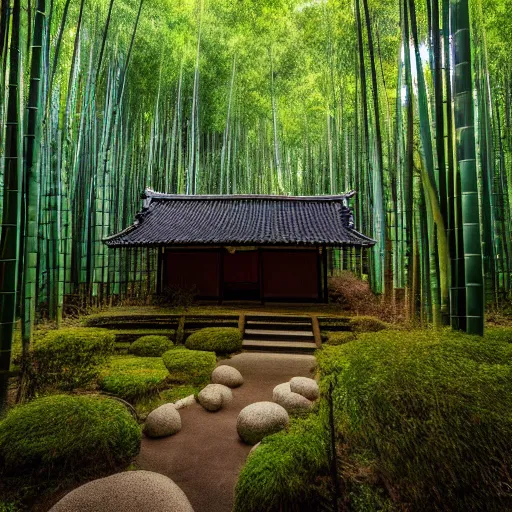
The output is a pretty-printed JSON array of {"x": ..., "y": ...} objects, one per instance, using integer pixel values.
[
  {"x": 61, "y": 435},
  {"x": 189, "y": 366},
  {"x": 499, "y": 334},
  {"x": 70, "y": 358},
  {"x": 151, "y": 346},
  {"x": 222, "y": 340},
  {"x": 367, "y": 324},
  {"x": 351, "y": 292},
  {"x": 341, "y": 337},
  {"x": 432, "y": 409},
  {"x": 280, "y": 473},
  {"x": 133, "y": 378}
]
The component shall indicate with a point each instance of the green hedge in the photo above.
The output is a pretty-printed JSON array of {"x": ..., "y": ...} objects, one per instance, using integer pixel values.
[
  {"x": 367, "y": 324},
  {"x": 61, "y": 435},
  {"x": 280, "y": 474},
  {"x": 189, "y": 366},
  {"x": 221, "y": 340},
  {"x": 151, "y": 346},
  {"x": 432, "y": 408},
  {"x": 70, "y": 358},
  {"x": 340, "y": 338},
  {"x": 133, "y": 378}
]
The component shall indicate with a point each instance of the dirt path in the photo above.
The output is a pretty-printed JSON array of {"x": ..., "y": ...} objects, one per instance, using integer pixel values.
[{"x": 204, "y": 459}]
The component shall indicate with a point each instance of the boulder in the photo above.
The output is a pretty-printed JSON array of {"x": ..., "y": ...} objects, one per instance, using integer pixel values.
[
  {"x": 228, "y": 376},
  {"x": 292, "y": 402},
  {"x": 131, "y": 491},
  {"x": 214, "y": 396},
  {"x": 163, "y": 421},
  {"x": 259, "y": 420},
  {"x": 305, "y": 387}
]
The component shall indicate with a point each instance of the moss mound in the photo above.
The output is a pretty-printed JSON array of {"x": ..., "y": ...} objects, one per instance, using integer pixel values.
[
  {"x": 70, "y": 358},
  {"x": 221, "y": 340},
  {"x": 151, "y": 346},
  {"x": 367, "y": 324},
  {"x": 60, "y": 435},
  {"x": 431, "y": 409},
  {"x": 279, "y": 474},
  {"x": 133, "y": 378},
  {"x": 340, "y": 338},
  {"x": 189, "y": 366}
]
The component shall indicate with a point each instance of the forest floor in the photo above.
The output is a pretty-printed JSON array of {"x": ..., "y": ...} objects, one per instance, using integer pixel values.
[{"x": 206, "y": 456}]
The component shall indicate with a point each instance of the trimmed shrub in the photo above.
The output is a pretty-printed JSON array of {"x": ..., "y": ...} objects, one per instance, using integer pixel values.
[
  {"x": 432, "y": 408},
  {"x": 189, "y": 366},
  {"x": 133, "y": 378},
  {"x": 71, "y": 358},
  {"x": 280, "y": 473},
  {"x": 340, "y": 338},
  {"x": 151, "y": 346},
  {"x": 61, "y": 435},
  {"x": 367, "y": 324},
  {"x": 222, "y": 340}
]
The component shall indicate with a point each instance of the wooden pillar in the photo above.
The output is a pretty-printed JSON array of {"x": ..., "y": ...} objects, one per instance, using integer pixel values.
[
  {"x": 316, "y": 331},
  {"x": 325, "y": 271},
  {"x": 319, "y": 272},
  {"x": 241, "y": 324},
  {"x": 160, "y": 271},
  {"x": 261, "y": 275},
  {"x": 221, "y": 275}
]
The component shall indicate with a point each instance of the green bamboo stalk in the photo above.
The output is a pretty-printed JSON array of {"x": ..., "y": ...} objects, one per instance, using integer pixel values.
[
  {"x": 11, "y": 217},
  {"x": 466, "y": 161},
  {"x": 32, "y": 182}
]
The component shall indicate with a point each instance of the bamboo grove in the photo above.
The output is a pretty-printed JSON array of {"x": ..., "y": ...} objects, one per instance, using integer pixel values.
[{"x": 406, "y": 101}]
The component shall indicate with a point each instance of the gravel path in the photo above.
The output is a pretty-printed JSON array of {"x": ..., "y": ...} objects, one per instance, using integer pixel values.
[{"x": 204, "y": 459}]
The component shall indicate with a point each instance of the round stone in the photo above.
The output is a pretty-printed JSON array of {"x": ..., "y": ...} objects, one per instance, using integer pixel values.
[
  {"x": 228, "y": 376},
  {"x": 131, "y": 491},
  {"x": 259, "y": 420},
  {"x": 305, "y": 387},
  {"x": 163, "y": 421},
  {"x": 214, "y": 396},
  {"x": 292, "y": 402}
]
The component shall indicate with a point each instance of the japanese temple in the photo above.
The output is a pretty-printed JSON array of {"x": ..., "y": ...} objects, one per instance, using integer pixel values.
[{"x": 255, "y": 247}]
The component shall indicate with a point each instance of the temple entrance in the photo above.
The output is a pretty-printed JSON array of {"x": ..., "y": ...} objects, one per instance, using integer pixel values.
[{"x": 241, "y": 275}]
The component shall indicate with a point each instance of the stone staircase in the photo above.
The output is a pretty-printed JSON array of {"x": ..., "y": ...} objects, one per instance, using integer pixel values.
[{"x": 279, "y": 333}]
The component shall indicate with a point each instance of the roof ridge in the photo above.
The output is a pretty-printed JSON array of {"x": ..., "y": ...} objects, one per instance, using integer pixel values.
[{"x": 152, "y": 194}]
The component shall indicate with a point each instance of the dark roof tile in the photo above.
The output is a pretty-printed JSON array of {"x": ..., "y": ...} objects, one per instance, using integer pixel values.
[{"x": 241, "y": 220}]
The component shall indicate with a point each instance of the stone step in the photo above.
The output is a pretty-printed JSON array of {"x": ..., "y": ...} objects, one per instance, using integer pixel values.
[
  {"x": 278, "y": 335},
  {"x": 278, "y": 318},
  {"x": 285, "y": 326},
  {"x": 296, "y": 347}
]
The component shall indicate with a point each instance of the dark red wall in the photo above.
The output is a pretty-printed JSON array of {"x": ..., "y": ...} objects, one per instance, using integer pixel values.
[
  {"x": 241, "y": 267},
  {"x": 290, "y": 274},
  {"x": 287, "y": 274},
  {"x": 194, "y": 268}
]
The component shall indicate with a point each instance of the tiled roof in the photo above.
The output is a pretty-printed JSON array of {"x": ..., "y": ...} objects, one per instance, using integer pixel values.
[{"x": 241, "y": 220}]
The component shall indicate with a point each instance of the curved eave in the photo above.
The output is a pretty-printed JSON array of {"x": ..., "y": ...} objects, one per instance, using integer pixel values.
[{"x": 113, "y": 242}]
